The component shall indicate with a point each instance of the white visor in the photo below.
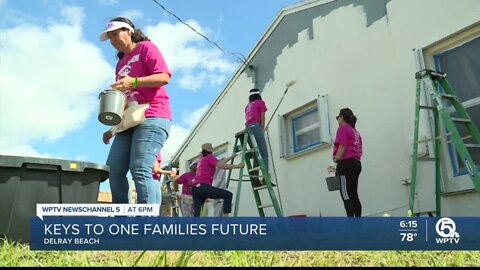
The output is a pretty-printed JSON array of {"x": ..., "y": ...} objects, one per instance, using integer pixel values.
[
  {"x": 113, "y": 26},
  {"x": 254, "y": 92}
]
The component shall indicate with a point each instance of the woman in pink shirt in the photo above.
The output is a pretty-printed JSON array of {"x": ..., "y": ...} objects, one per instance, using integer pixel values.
[
  {"x": 255, "y": 123},
  {"x": 186, "y": 181},
  {"x": 202, "y": 185},
  {"x": 347, "y": 151},
  {"x": 141, "y": 73},
  {"x": 157, "y": 172}
]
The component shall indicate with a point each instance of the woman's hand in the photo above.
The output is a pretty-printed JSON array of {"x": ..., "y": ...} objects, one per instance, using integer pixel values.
[
  {"x": 123, "y": 84},
  {"x": 331, "y": 167},
  {"x": 107, "y": 135}
]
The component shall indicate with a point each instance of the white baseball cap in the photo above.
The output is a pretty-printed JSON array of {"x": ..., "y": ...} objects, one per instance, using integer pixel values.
[{"x": 111, "y": 26}]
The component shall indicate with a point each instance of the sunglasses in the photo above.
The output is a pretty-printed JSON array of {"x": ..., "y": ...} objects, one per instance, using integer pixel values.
[{"x": 338, "y": 117}]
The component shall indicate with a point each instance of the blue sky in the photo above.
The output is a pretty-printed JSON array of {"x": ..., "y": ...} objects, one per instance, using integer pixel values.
[{"x": 52, "y": 66}]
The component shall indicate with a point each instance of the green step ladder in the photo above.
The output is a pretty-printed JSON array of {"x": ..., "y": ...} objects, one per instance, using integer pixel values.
[
  {"x": 432, "y": 80},
  {"x": 246, "y": 144},
  {"x": 173, "y": 203}
]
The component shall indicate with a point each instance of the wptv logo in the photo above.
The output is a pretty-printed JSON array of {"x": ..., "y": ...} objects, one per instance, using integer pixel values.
[{"x": 446, "y": 229}]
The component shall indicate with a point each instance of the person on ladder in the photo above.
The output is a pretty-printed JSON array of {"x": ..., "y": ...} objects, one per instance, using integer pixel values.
[
  {"x": 255, "y": 124},
  {"x": 347, "y": 151},
  {"x": 202, "y": 184}
]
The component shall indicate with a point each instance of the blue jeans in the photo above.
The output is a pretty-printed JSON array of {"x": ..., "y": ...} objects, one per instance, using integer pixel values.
[
  {"x": 257, "y": 132},
  {"x": 135, "y": 149},
  {"x": 158, "y": 190}
]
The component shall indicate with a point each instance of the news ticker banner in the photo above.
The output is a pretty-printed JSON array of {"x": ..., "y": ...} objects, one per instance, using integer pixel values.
[
  {"x": 99, "y": 210},
  {"x": 138, "y": 227}
]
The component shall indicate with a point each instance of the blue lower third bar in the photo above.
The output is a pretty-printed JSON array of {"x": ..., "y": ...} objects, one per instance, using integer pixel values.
[{"x": 309, "y": 233}]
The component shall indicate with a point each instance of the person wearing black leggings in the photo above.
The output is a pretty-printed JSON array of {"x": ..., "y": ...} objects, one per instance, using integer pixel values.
[
  {"x": 347, "y": 151},
  {"x": 202, "y": 188}
]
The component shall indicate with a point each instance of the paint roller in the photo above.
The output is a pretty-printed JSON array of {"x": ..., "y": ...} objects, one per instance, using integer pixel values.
[{"x": 287, "y": 85}]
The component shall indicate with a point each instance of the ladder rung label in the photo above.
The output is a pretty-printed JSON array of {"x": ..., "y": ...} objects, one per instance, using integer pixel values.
[
  {"x": 254, "y": 169},
  {"x": 260, "y": 187},
  {"x": 266, "y": 205},
  {"x": 447, "y": 96},
  {"x": 426, "y": 107},
  {"x": 243, "y": 180},
  {"x": 464, "y": 120},
  {"x": 471, "y": 145},
  {"x": 426, "y": 159}
]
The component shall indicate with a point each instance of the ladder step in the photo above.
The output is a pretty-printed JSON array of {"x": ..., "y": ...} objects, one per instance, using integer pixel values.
[
  {"x": 447, "y": 96},
  {"x": 256, "y": 169},
  {"x": 243, "y": 180},
  {"x": 426, "y": 159},
  {"x": 426, "y": 107},
  {"x": 464, "y": 120},
  {"x": 247, "y": 151},
  {"x": 260, "y": 187},
  {"x": 257, "y": 176},
  {"x": 471, "y": 145},
  {"x": 265, "y": 206}
]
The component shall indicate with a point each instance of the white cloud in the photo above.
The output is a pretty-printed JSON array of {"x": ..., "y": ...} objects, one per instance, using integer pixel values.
[
  {"x": 133, "y": 15},
  {"x": 50, "y": 78},
  {"x": 107, "y": 2},
  {"x": 179, "y": 133},
  {"x": 73, "y": 15},
  {"x": 191, "y": 118},
  {"x": 20, "y": 150},
  {"x": 175, "y": 139},
  {"x": 194, "y": 62}
]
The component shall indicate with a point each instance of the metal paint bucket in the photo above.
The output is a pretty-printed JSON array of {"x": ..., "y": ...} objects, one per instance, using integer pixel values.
[
  {"x": 112, "y": 105},
  {"x": 333, "y": 182}
]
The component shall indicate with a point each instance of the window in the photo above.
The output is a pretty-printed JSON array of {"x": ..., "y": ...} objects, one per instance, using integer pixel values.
[
  {"x": 305, "y": 128},
  {"x": 462, "y": 64}
]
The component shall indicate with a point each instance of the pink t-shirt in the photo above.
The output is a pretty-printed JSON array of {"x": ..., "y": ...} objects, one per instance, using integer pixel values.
[
  {"x": 205, "y": 170},
  {"x": 253, "y": 111},
  {"x": 186, "y": 180},
  {"x": 144, "y": 60},
  {"x": 352, "y": 140},
  {"x": 159, "y": 159}
]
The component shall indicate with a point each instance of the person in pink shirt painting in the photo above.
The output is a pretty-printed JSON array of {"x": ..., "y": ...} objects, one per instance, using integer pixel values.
[
  {"x": 141, "y": 73},
  {"x": 347, "y": 151},
  {"x": 202, "y": 188},
  {"x": 186, "y": 180},
  {"x": 255, "y": 123}
]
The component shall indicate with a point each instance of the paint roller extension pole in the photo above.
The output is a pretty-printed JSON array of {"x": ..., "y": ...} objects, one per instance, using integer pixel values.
[{"x": 287, "y": 85}]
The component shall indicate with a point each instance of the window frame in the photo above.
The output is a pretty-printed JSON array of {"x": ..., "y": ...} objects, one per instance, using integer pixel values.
[
  {"x": 294, "y": 119},
  {"x": 288, "y": 146}
]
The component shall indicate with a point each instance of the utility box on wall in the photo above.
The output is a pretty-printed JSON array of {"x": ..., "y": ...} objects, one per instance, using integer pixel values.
[{"x": 27, "y": 181}]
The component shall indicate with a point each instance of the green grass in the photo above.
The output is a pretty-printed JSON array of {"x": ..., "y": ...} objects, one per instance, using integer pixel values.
[{"x": 15, "y": 254}]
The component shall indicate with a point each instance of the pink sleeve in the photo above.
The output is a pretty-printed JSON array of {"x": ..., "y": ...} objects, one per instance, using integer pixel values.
[
  {"x": 182, "y": 179},
  {"x": 212, "y": 160},
  {"x": 342, "y": 135},
  {"x": 264, "y": 107},
  {"x": 153, "y": 60}
]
